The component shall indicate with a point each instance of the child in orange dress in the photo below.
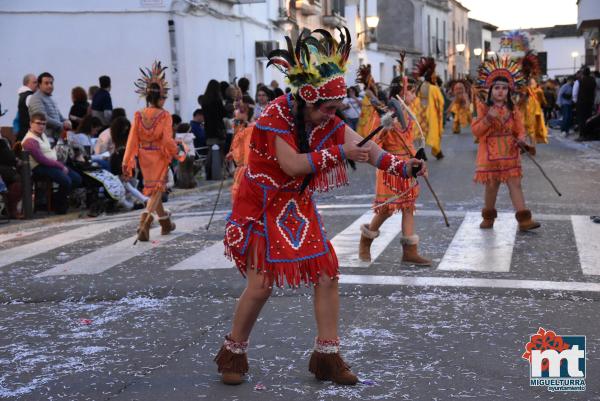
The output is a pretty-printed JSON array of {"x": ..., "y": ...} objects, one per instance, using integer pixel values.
[
  {"x": 151, "y": 142},
  {"x": 499, "y": 127},
  {"x": 399, "y": 142}
]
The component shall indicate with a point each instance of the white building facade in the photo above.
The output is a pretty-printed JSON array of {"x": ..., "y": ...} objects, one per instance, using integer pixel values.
[
  {"x": 198, "y": 40},
  {"x": 79, "y": 41}
]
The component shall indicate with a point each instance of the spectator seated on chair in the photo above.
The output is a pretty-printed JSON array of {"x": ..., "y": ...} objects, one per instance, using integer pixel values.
[{"x": 44, "y": 162}]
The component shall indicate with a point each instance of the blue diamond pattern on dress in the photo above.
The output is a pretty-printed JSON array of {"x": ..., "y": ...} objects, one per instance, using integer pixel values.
[{"x": 293, "y": 224}]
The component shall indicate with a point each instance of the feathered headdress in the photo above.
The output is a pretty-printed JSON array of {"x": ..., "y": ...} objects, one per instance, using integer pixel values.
[
  {"x": 315, "y": 67},
  {"x": 363, "y": 76},
  {"x": 401, "y": 80},
  {"x": 424, "y": 68},
  {"x": 496, "y": 67},
  {"x": 530, "y": 65},
  {"x": 154, "y": 75}
]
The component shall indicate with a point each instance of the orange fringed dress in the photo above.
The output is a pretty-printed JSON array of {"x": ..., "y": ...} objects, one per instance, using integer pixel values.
[
  {"x": 240, "y": 149},
  {"x": 395, "y": 141},
  {"x": 498, "y": 156},
  {"x": 151, "y": 141}
]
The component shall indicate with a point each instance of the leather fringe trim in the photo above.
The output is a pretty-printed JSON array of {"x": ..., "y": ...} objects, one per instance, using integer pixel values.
[
  {"x": 293, "y": 273},
  {"x": 325, "y": 366},
  {"x": 228, "y": 361}
]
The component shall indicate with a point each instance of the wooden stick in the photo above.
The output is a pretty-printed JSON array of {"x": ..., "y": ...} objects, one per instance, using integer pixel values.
[{"x": 540, "y": 167}]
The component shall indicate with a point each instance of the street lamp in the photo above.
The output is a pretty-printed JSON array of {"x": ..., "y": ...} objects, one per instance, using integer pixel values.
[
  {"x": 372, "y": 22},
  {"x": 460, "y": 48},
  {"x": 491, "y": 53},
  {"x": 477, "y": 51},
  {"x": 574, "y": 55}
]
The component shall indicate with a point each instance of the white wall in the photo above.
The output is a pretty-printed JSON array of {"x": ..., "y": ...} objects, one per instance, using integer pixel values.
[
  {"x": 559, "y": 51},
  {"x": 83, "y": 40}
]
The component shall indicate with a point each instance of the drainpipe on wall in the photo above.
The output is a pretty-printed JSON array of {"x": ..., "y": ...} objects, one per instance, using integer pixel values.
[{"x": 174, "y": 67}]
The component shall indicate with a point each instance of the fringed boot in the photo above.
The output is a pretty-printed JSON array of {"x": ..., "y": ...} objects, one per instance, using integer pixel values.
[
  {"x": 410, "y": 254},
  {"x": 488, "y": 215},
  {"x": 166, "y": 225},
  {"x": 525, "y": 220},
  {"x": 143, "y": 231},
  {"x": 232, "y": 361},
  {"x": 327, "y": 364},
  {"x": 366, "y": 239}
]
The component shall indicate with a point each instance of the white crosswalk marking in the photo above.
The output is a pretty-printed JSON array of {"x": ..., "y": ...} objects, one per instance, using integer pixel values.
[
  {"x": 469, "y": 282},
  {"x": 209, "y": 258},
  {"x": 113, "y": 254},
  {"x": 38, "y": 247},
  {"x": 346, "y": 242},
  {"x": 587, "y": 236},
  {"x": 475, "y": 249}
]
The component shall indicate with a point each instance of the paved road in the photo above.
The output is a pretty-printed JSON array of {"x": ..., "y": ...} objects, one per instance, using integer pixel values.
[{"x": 87, "y": 316}]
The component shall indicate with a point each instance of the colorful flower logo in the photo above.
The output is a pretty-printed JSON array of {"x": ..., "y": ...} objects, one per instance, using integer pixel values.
[{"x": 544, "y": 340}]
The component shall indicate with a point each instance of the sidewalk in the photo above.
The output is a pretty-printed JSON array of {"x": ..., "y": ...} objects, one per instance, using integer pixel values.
[{"x": 42, "y": 217}]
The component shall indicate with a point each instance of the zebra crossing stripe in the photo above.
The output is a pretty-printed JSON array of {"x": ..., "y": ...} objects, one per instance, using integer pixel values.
[
  {"x": 111, "y": 255},
  {"x": 346, "y": 242},
  {"x": 587, "y": 235},
  {"x": 474, "y": 249},
  {"x": 209, "y": 258},
  {"x": 469, "y": 282},
  {"x": 38, "y": 247}
]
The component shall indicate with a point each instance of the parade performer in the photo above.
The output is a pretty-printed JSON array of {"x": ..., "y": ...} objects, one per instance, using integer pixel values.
[
  {"x": 370, "y": 106},
  {"x": 461, "y": 105},
  {"x": 239, "y": 153},
  {"x": 430, "y": 105},
  {"x": 151, "y": 142},
  {"x": 274, "y": 233},
  {"x": 398, "y": 141},
  {"x": 240, "y": 145},
  {"x": 532, "y": 101},
  {"x": 499, "y": 127}
]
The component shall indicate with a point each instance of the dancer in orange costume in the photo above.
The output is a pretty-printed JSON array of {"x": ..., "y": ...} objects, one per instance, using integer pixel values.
[
  {"x": 499, "y": 127},
  {"x": 532, "y": 101},
  {"x": 461, "y": 105},
  {"x": 398, "y": 141},
  {"x": 430, "y": 105},
  {"x": 151, "y": 142},
  {"x": 370, "y": 105}
]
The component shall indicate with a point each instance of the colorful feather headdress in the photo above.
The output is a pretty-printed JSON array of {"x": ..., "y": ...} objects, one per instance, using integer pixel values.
[
  {"x": 402, "y": 80},
  {"x": 507, "y": 68},
  {"x": 530, "y": 65},
  {"x": 315, "y": 67},
  {"x": 424, "y": 68},
  {"x": 363, "y": 76},
  {"x": 155, "y": 75}
]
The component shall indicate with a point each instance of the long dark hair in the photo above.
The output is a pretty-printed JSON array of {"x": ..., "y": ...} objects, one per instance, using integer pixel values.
[
  {"x": 212, "y": 94},
  {"x": 153, "y": 95},
  {"x": 119, "y": 131},
  {"x": 302, "y": 135},
  {"x": 509, "y": 102}
]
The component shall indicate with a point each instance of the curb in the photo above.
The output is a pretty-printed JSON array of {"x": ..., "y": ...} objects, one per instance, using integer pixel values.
[{"x": 79, "y": 214}]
